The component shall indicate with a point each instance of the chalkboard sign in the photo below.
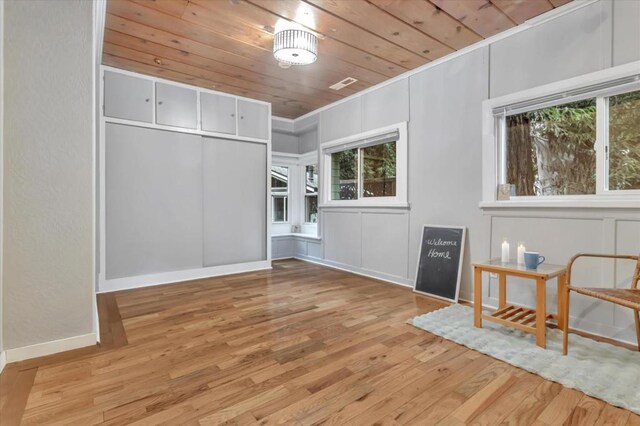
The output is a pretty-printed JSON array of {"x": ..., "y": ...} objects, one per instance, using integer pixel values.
[{"x": 440, "y": 261}]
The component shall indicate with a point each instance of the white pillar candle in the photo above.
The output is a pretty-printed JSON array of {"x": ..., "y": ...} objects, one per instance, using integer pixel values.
[
  {"x": 521, "y": 250},
  {"x": 505, "y": 251}
]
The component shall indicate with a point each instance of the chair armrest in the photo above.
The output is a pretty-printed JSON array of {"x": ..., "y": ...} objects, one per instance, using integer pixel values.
[{"x": 602, "y": 256}]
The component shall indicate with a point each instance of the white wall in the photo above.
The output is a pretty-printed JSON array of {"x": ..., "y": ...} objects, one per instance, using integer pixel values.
[
  {"x": 443, "y": 106},
  {"x": 308, "y": 140},
  {"x": 283, "y": 138},
  {"x": 1, "y": 177},
  {"x": 445, "y": 144},
  {"x": 561, "y": 233},
  {"x": 626, "y": 31},
  {"x": 574, "y": 44},
  {"x": 307, "y": 130},
  {"x": 300, "y": 246},
  {"x": 595, "y": 37},
  {"x": 299, "y": 139},
  {"x": 284, "y": 142},
  {"x": 48, "y": 172}
]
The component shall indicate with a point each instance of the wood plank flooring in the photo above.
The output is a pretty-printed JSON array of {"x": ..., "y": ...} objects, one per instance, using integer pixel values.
[{"x": 301, "y": 344}]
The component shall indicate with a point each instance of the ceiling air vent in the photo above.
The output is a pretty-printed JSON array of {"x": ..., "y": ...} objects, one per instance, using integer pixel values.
[{"x": 344, "y": 83}]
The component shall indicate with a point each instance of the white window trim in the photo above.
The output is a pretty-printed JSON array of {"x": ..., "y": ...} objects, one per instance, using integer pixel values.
[
  {"x": 286, "y": 207},
  {"x": 304, "y": 209},
  {"x": 491, "y": 151},
  {"x": 303, "y": 173},
  {"x": 355, "y": 141},
  {"x": 308, "y": 159},
  {"x": 296, "y": 164},
  {"x": 287, "y": 202}
]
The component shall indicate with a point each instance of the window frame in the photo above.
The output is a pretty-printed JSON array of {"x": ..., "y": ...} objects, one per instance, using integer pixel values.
[
  {"x": 303, "y": 169},
  {"x": 400, "y": 200},
  {"x": 281, "y": 194},
  {"x": 596, "y": 85}
]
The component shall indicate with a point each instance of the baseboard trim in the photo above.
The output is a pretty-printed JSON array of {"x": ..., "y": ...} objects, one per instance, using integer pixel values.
[
  {"x": 128, "y": 283},
  {"x": 49, "y": 348},
  {"x": 359, "y": 271},
  {"x": 3, "y": 360}
]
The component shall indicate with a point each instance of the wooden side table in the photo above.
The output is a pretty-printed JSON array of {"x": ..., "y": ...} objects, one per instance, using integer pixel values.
[{"x": 520, "y": 317}]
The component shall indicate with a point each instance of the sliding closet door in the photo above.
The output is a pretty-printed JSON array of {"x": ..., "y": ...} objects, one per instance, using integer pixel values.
[
  {"x": 235, "y": 191},
  {"x": 153, "y": 201}
]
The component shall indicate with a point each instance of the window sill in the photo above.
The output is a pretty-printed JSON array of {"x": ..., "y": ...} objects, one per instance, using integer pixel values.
[
  {"x": 297, "y": 235},
  {"x": 594, "y": 203},
  {"x": 393, "y": 205}
]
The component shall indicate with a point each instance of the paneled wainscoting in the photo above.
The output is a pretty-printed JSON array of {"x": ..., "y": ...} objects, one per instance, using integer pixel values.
[{"x": 301, "y": 344}]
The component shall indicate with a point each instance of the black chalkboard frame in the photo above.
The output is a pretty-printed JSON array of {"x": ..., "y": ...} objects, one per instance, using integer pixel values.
[{"x": 460, "y": 261}]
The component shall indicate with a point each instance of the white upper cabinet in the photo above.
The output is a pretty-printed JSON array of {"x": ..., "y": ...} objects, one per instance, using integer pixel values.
[
  {"x": 253, "y": 120},
  {"x": 172, "y": 106},
  {"x": 176, "y": 106},
  {"x": 218, "y": 113},
  {"x": 128, "y": 97}
]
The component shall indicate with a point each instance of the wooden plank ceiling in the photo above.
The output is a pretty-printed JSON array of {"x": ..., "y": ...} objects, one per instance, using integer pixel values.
[{"x": 226, "y": 45}]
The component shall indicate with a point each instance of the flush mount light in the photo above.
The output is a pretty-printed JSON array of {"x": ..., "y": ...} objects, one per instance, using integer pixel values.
[{"x": 295, "y": 47}]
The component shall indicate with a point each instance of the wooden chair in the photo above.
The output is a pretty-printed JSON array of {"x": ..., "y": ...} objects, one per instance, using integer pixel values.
[{"x": 624, "y": 297}]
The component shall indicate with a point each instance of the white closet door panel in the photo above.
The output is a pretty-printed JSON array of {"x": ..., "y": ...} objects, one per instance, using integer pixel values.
[
  {"x": 234, "y": 201},
  {"x": 153, "y": 201}
]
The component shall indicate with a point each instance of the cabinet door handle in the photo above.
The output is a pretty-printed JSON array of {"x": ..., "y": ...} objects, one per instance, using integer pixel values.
[
  {"x": 146, "y": 100},
  {"x": 233, "y": 115},
  {"x": 242, "y": 117},
  {"x": 159, "y": 102}
]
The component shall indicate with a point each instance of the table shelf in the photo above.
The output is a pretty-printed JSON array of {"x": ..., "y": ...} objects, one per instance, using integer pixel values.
[
  {"x": 522, "y": 318},
  {"x": 516, "y": 316}
]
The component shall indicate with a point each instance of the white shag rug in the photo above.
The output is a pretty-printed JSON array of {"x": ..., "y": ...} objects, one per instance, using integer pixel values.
[{"x": 600, "y": 370}]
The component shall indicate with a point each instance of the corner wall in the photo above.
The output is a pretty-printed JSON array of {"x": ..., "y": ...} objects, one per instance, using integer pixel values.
[
  {"x": 48, "y": 176},
  {"x": 443, "y": 105}
]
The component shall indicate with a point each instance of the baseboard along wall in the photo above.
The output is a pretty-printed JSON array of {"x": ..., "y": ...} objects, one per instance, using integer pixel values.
[{"x": 50, "y": 348}]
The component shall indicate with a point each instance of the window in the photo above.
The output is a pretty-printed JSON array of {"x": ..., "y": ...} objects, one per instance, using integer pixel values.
[
  {"x": 364, "y": 172},
  {"x": 624, "y": 142},
  {"x": 311, "y": 194},
  {"x": 579, "y": 138},
  {"x": 379, "y": 170},
  {"x": 367, "y": 169},
  {"x": 344, "y": 175},
  {"x": 550, "y": 151},
  {"x": 280, "y": 193}
]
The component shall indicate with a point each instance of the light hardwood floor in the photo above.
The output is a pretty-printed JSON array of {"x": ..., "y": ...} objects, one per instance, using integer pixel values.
[{"x": 301, "y": 344}]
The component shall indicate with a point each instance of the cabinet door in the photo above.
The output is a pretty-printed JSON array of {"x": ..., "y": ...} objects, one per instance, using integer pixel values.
[
  {"x": 176, "y": 106},
  {"x": 235, "y": 206},
  {"x": 253, "y": 120},
  {"x": 128, "y": 97},
  {"x": 218, "y": 113},
  {"x": 153, "y": 196}
]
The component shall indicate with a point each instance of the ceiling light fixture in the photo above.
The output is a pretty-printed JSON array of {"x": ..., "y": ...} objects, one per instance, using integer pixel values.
[{"x": 295, "y": 47}]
